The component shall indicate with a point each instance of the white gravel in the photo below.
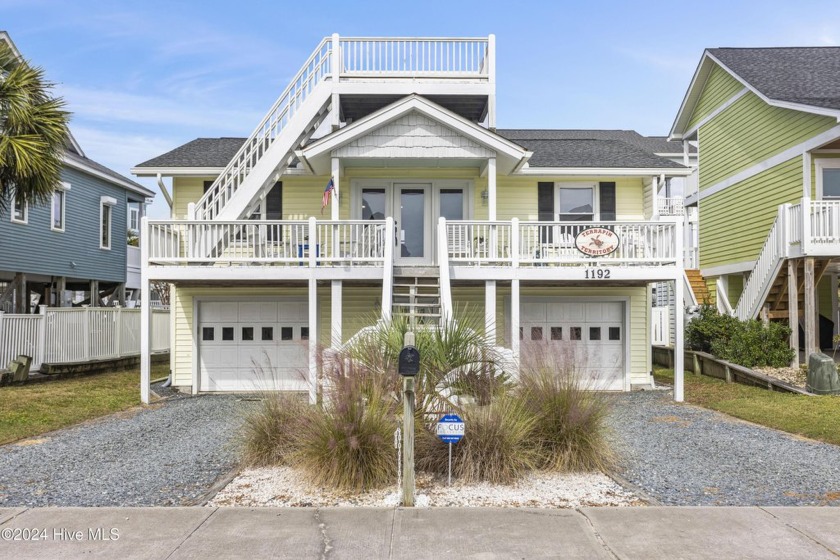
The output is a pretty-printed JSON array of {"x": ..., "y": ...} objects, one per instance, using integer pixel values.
[{"x": 284, "y": 487}]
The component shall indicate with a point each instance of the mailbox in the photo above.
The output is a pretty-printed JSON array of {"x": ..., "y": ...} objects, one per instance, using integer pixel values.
[{"x": 409, "y": 362}]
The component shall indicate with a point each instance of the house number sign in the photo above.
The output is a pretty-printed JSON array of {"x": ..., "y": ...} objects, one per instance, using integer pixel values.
[{"x": 596, "y": 242}]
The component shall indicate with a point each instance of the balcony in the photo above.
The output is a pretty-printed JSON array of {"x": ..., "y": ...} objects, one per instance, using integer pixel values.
[{"x": 638, "y": 250}]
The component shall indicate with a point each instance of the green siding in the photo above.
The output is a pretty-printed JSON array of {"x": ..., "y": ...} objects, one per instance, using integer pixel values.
[
  {"x": 735, "y": 286},
  {"x": 748, "y": 132},
  {"x": 719, "y": 87},
  {"x": 734, "y": 222},
  {"x": 824, "y": 296}
]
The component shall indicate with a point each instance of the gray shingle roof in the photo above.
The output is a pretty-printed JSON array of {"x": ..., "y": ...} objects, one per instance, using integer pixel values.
[
  {"x": 552, "y": 148},
  {"x": 201, "y": 152},
  {"x": 590, "y": 152},
  {"x": 807, "y": 75},
  {"x": 122, "y": 180}
]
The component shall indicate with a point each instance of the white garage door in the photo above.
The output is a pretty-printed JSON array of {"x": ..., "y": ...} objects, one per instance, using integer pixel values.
[
  {"x": 589, "y": 334},
  {"x": 253, "y": 345}
]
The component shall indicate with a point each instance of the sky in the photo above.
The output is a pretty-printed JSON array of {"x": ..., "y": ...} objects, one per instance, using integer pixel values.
[{"x": 142, "y": 78}]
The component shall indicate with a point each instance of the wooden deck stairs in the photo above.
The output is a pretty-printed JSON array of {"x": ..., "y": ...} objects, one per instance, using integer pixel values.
[
  {"x": 777, "y": 301},
  {"x": 417, "y": 298},
  {"x": 698, "y": 286}
]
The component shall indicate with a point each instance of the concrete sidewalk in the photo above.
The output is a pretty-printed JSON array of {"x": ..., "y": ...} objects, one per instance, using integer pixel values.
[{"x": 643, "y": 532}]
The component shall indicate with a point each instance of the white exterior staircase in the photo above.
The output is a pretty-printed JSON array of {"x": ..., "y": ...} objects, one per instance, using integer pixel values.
[{"x": 269, "y": 150}]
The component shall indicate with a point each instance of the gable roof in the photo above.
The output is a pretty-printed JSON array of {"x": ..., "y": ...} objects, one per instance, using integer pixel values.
[
  {"x": 594, "y": 153},
  {"x": 213, "y": 153},
  {"x": 805, "y": 75},
  {"x": 800, "y": 78},
  {"x": 87, "y": 165}
]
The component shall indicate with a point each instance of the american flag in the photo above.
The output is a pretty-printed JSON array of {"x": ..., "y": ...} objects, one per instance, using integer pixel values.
[{"x": 327, "y": 192}]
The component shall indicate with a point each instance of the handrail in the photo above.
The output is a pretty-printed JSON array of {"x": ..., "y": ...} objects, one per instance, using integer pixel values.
[
  {"x": 315, "y": 69},
  {"x": 414, "y": 56}
]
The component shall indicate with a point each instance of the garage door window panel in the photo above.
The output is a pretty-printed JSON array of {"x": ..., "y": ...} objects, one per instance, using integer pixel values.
[
  {"x": 287, "y": 333},
  {"x": 247, "y": 334},
  {"x": 268, "y": 333},
  {"x": 208, "y": 334},
  {"x": 227, "y": 333}
]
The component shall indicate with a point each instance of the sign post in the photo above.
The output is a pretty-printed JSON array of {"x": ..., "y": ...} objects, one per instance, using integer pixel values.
[
  {"x": 450, "y": 429},
  {"x": 408, "y": 367}
]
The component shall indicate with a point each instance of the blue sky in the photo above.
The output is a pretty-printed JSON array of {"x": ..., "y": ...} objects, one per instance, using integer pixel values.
[{"x": 144, "y": 77}]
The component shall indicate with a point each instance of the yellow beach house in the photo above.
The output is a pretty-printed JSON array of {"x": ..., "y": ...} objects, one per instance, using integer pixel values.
[{"x": 378, "y": 184}]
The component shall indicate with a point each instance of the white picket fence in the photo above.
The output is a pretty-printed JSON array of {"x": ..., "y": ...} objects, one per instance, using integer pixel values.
[
  {"x": 660, "y": 326},
  {"x": 70, "y": 335}
]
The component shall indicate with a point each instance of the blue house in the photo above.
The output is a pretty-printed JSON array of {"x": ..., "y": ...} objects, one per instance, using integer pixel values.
[{"x": 78, "y": 242}]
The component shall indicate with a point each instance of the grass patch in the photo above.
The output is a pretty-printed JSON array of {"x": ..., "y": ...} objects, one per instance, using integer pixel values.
[
  {"x": 29, "y": 410},
  {"x": 813, "y": 417}
]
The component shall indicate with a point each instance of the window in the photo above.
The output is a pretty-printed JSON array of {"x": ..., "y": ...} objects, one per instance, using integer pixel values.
[
  {"x": 556, "y": 333},
  {"x": 615, "y": 333},
  {"x": 594, "y": 333},
  {"x": 208, "y": 333},
  {"x": 452, "y": 204},
  {"x": 304, "y": 333},
  {"x": 576, "y": 204},
  {"x": 105, "y": 209},
  {"x": 828, "y": 178},
  {"x": 536, "y": 333},
  {"x": 575, "y": 333},
  {"x": 133, "y": 218},
  {"x": 57, "y": 212},
  {"x": 227, "y": 333},
  {"x": 247, "y": 333},
  {"x": 20, "y": 212},
  {"x": 268, "y": 333},
  {"x": 373, "y": 204},
  {"x": 286, "y": 333}
]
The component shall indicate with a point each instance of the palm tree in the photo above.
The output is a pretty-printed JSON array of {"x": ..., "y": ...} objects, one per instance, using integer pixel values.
[{"x": 33, "y": 132}]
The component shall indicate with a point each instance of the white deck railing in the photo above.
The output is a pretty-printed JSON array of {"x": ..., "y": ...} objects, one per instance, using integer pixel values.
[
  {"x": 673, "y": 206},
  {"x": 476, "y": 243},
  {"x": 313, "y": 71},
  {"x": 414, "y": 56},
  {"x": 255, "y": 242},
  {"x": 70, "y": 335}
]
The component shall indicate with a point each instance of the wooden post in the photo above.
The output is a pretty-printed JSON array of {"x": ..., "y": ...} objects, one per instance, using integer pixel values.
[
  {"x": 810, "y": 308},
  {"x": 94, "y": 293},
  {"x": 61, "y": 287},
  {"x": 793, "y": 310},
  {"x": 764, "y": 315},
  {"x": 696, "y": 361},
  {"x": 20, "y": 293},
  {"x": 408, "y": 433},
  {"x": 336, "y": 338},
  {"x": 121, "y": 294}
]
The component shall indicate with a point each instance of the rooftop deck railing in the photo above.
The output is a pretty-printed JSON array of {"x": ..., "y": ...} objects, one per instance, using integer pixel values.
[{"x": 414, "y": 56}]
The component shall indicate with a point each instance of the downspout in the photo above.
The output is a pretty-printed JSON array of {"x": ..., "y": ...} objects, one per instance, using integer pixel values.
[{"x": 163, "y": 190}]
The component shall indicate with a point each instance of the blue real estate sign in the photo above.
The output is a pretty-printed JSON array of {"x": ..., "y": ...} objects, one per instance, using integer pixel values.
[{"x": 450, "y": 428}]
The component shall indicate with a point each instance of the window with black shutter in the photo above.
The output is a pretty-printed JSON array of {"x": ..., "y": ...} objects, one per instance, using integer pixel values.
[
  {"x": 274, "y": 210},
  {"x": 207, "y": 185},
  {"x": 607, "y": 201},
  {"x": 545, "y": 208}
]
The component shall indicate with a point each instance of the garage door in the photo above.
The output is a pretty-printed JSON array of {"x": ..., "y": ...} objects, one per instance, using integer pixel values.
[
  {"x": 590, "y": 335},
  {"x": 253, "y": 345}
]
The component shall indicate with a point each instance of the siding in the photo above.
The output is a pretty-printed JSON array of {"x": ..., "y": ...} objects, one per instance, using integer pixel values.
[
  {"x": 748, "y": 132},
  {"x": 33, "y": 248},
  {"x": 734, "y": 288},
  {"x": 734, "y": 222},
  {"x": 719, "y": 87},
  {"x": 515, "y": 196},
  {"x": 824, "y": 297}
]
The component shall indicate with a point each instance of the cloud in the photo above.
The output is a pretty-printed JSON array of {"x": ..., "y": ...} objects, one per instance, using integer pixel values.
[{"x": 113, "y": 107}]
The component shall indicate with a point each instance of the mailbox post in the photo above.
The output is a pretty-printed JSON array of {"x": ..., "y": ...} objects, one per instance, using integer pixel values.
[{"x": 408, "y": 367}]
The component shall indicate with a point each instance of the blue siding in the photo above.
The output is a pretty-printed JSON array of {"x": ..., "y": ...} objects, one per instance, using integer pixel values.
[{"x": 33, "y": 248}]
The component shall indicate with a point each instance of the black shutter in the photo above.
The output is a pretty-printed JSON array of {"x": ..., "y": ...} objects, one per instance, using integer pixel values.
[
  {"x": 607, "y": 201},
  {"x": 207, "y": 185},
  {"x": 274, "y": 202},
  {"x": 545, "y": 201}
]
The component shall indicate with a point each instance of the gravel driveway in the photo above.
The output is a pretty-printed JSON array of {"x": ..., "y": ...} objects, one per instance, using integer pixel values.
[
  {"x": 687, "y": 455},
  {"x": 169, "y": 454}
]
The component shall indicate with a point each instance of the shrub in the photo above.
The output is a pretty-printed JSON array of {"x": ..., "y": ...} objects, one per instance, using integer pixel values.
[
  {"x": 707, "y": 327},
  {"x": 570, "y": 418},
  {"x": 752, "y": 344},
  {"x": 269, "y": 429},
  {"x": 497, "y": 447},
  {"x": 346, "y": 442}
]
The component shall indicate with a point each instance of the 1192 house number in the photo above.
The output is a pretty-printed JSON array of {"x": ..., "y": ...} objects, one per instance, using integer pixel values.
[{"x": 597, "y": 273}]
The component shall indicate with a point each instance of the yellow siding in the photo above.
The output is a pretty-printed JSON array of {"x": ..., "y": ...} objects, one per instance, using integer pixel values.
[
  {"x": 719, "y": 87},
  {"x": 734, "y": 222},
  {"x": 748, "y": 132},
  {"x": 184, "y": 191}
]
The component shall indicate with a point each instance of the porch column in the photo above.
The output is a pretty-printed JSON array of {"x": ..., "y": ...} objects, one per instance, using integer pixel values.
[
  {"x": 121, "y": 294},
  {"x": 334, "y": 202},
  {"x": 810, "y": 309},
  {"x": 21, "y": 294},
  {"x": 313, "y": 338},
  {"x": 146, "y": 317},
  {"x": 490, "y": 311},
  {"x": 336, "y": 314},
  {"x": 679, "y": 351},
  {"x": 685, "y": 153},
  {"x": 94, "y": 293},
  {"x": 60, "y": 288},
  {"x": 514, "y": 319},
  {"x": 654, "y": 194},
  {"x": 793, "y": 309},
  {"x": 491, "y": 189}
]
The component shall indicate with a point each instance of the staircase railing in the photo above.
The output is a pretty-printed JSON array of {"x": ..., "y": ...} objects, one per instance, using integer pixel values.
[
  {"x": 414, "y": 56},
  {"x": 315, "y": 70},
  {"x": 767, "y": 265}
]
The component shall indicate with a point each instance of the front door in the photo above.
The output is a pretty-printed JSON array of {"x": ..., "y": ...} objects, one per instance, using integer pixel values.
[{"x": 412, "y": 213}]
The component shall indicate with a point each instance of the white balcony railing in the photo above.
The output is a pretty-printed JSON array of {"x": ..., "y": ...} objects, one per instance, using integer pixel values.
[
  {"x": 292, "y": 243},
  {"x": 414, "y": 56},
  {"x": 673, "y": 206},
  {"x": 477, "y": 243}
]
